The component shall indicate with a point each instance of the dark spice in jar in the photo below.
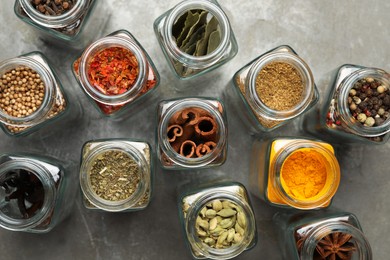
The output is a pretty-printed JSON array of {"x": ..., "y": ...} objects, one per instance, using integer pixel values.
[{"x": 53, "y": 7}]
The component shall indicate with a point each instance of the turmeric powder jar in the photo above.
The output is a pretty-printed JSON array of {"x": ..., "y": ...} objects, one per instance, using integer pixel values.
[{"x": 298, "y": 173}]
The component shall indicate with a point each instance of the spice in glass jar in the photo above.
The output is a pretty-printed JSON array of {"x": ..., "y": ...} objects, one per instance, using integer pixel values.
[{"x": 53, "y": 7}]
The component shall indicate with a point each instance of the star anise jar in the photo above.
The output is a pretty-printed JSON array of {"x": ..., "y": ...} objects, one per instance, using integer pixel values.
[
  {"x": 36, "y": 192},
  {"x": 326, "y": 234},
  {"x": 357, "y": 109}
]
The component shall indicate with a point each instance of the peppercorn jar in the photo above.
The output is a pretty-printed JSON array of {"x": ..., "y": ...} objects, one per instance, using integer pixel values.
[
  {"x": 217, "y": 219},
  {"x": 191, "y": 133},
  {"x": 116, "y": 175},
  {"x": 115, "y": 73},
  {"x": 31, "y": 95},
  {"x": 325, "y": 234},
  {"x": 67, "y": 22},
  {"x": 274, "y": 88},
  {"x": 36, "y": 192},
  {"x": 294, "y": 172},
  {"x": 357, "y": 108},
  {"x": 196, "y": 37}
]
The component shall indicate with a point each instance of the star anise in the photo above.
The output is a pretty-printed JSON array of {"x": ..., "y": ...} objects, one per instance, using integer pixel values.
[{"x": 336, "y": 246}]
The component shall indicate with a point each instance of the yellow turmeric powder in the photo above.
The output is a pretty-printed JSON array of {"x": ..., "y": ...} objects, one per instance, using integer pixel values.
[{"x": 304, "y": 173}]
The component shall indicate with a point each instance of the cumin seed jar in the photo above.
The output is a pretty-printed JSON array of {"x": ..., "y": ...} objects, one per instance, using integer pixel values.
[
  {"x": 94, "y": 71},
  {"x": 310, "y": 235},
  {"x": 191, "y": 133},
  {"x": 188, "y": 52},
  {"x": 31, "y": 95},
  {"x": 217, "y": 219},
  {"x": 267, "y": 84},
  {"x": 36, "y": 192},
  {"x": 357, "y": 109},
  {"x": 298, "y": 173},
  {"x": 74, "y": 27},
  {"x": 116, "y": 175}
]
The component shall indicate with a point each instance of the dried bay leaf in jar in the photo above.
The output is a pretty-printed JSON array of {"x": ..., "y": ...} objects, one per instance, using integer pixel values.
[
  {"x": 273, "y": 89},
  {"x": 297, "y": 173},
  {"x": 110, "y": 90},
  {"x": 195, "y": 37}
]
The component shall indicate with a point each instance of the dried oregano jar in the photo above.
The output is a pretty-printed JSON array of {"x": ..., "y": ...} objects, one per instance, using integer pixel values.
[
  {"x": 75, "y": 26},
  {"x": 294, "y": 172},
  {"x": 274, "y": 88},
  {"x": 191, "y": 133},
  {"x": 357, "y": 108},
  {"x": 314, "y": 235},
  {"x": 195, "y": 37},
  {"x": 31, "y": 95},
  {"x": 217, "y": 219},
  {"x": 96, "y": 73},
  {"x": 36, "y": 192},
  {"x": 116, "y": 175}
]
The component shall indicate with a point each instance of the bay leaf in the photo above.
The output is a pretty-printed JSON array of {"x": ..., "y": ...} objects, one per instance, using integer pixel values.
[
  {"x": 194, "y": 28},
  {"x": 179, "y": 25},
  {"x": 201, "y": 47},
  {"x": 214, "y": 41},
  {"x": 190, "y": 21},
  {"x": 195, "y": 37}
]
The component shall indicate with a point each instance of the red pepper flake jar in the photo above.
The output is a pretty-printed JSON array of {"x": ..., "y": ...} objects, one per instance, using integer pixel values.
[
  {"x": 115, "y": 72},
  {"x": 357, "y": 108}
]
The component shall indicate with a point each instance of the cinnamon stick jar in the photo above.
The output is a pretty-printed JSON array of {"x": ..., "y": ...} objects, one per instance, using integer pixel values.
[
  {"x": 191, "y": 133},
  {"x": 111, "y": 90},
  {"x": 273, "y": 89},
  {"x": 325, "y": 234},
  {"x": 294, "y": 172},
  {"x": 357, "y": 108},
  {"x": 36, "y": 192}
]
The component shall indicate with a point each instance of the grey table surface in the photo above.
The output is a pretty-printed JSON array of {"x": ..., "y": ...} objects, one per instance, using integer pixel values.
[{"x": 326, "y": 34}]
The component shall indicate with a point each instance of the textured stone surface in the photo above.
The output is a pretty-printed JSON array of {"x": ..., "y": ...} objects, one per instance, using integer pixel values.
[{"x": 326, "y": 34}]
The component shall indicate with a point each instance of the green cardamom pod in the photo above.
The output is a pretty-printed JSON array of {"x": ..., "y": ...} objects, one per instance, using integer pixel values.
[
  {"x": 241, "y": 219},
  {"x": 226, "y": 204},
  {"x": 222, "y": 237},
  {"x": 213, "y": 223},
  {"x": 217, "y": 231},
  {"x": 203, "y": 212},
  {"x": 226, "y": 212},
  {"x": 237, "y": 238},
  {"x": 230, "y": 236},
  {"x": 217, "y": 205},
  {"x": 210, "y": 213},
  {"x": 239, "y": 229},
  {"x": 209, "y": 241},
  {"x": 226, "y": 223}
]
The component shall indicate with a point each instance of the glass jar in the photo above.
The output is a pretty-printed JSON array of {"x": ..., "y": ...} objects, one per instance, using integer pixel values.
[
  {"x": 277, "y": 163},
  {"x": 191, "y": 133},
  {"x": 74, "y": 28},
  {"x": 337, "y": 121},
  {"x": 300, "y": 234},
  {"x": 145, "y": 83},
  {"x": 259, "y": 115},
  {"x": 99, "y": 191},
  {"x": 195, "y": 219},
  {"x": 54, "y": 104},
  {"x": 198, "y": 56},
  {"x": 36, "y": 192}
]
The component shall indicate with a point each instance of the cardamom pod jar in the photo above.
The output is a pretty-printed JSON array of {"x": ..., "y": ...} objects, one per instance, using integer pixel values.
[
  {"x": 36, "y": 192},
  {"x": 73, "y": 26},
  {"x": 325, "y": 234},
  {"x": 274, "y": 88},
  {"x": 116, "y": 73},
  {"x": 196, "y": 37},
  {"x": 294, "y": 172},
  {"x": 217, "y": 219},
  {"x": 191, "y": 133},
  {"x": 357, "y": 109},
  {"x": 31, "y": 95},
  {"x": 116, "y": 175}
]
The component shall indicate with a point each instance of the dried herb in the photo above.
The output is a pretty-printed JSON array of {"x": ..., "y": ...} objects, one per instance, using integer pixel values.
[
  {"x": 114, "y": 175},
  {"x": 25, "y": 187},
  {"x": 336, "y": 246}
]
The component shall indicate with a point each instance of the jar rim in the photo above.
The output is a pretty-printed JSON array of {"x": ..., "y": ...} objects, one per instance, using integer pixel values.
[
  {"x": 190, "y": 60},
  {"x": 166, "y": 147},
  {"x": 141, "y": 188},
  {"x": 108, "y": 42},
  {"x": 305, "y": 73}
]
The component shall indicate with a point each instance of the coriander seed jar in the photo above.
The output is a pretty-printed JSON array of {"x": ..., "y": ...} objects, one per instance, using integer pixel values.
[
  {"x": 116, "y": 175},
  {"x": 196, "y": 37},
  {"x": 313, "y": 235},
  {"x": 112, "y": 90},
  {"x": 191, "y": 133},
  {"x": 75, "y": 26},
  {"x": 273, "y": 89},
  {"x": 294, "y": 173},
  {"x": 36, "y": 192},
  {"x": 357, "y": 109},
  {"x": 31, "y": 95},
  {"x": 217, "y": 220}
]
